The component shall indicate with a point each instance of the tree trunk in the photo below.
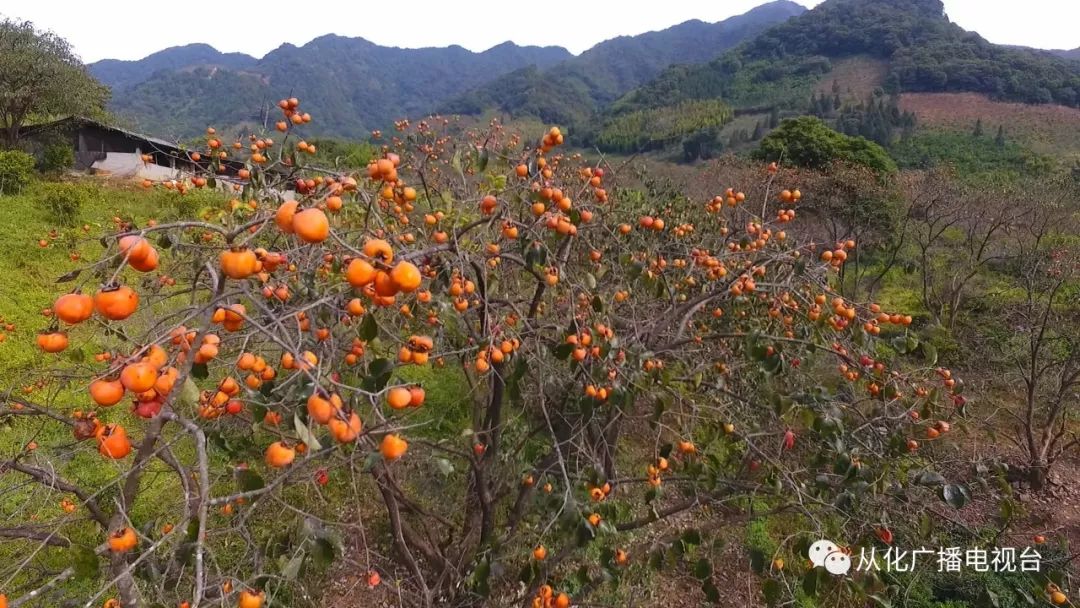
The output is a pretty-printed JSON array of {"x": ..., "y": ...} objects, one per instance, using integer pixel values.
[{"x": 1037, "y": 473}]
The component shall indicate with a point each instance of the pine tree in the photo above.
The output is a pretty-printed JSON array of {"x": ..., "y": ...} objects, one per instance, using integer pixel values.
[
  {"x": 978, "y": 128},
  {"x": 999, "y": 140}
]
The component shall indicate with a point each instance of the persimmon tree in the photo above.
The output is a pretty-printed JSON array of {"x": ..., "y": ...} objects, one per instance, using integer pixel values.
[
  {"x": 1039, "y": 342},
  {"x": 625, "y": 360}
]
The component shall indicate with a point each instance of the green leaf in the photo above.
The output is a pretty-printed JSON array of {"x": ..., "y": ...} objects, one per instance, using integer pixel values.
[
  {"x": 702, "y": 569},
  {"x": 69, "y": 277},
  {"x": 445, "y": 466},
  {"x": 656, "y": 559},
  {"x": 189, "y": 394},
  {"x": 811, "y": 581},
  {"x": 929, "y": 353},
  {"x": 988, "y": 599},
  {"x": 691, "y": 537},
  {"x": 478, "y": 580},
  {"x": 757, "y": 560},
  {"x": 711, "y": 592},
  {"x": 249, "y": 480},
  {"x": 200, "y": 371},
  {"x": 368, "y": 329},
  {"x": 590, "y": 280},
  {"x": 291, "y": 569},
  {"x": 597, "y": 304},
  {"x": 926, "y": 526},
  {"x": 85, "y": 562},
  {"x": 305, "y": 434},
  {"x": 379, "y": 372},
  {"x": 323, "y": 551},
  {"x": 771, "y": 591},
  {"x": 881, "y": 601}
]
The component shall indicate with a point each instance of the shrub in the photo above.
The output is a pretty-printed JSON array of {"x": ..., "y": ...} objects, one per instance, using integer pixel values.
[
  {"x": 65, "y": 202},
  {"x": 15, "y": 170},
  {"x": 808, "y": 142},
  {"x": 57, "y": 158}
]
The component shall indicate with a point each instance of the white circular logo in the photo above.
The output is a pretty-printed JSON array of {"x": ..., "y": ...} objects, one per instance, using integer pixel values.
[
  {"x": 820, "y": 550},
  {"x": 837, "y": 563}
]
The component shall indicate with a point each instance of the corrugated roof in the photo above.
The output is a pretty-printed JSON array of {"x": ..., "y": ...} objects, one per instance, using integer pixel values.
[{"x": 84, "y": 120}]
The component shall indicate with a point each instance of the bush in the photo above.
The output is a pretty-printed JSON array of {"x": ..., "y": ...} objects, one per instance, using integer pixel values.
[
  {"x": 57, "y": 158},
  {"x": 65, "y": 202},
  {"x": 172, "y": 205},
  {"x": 15, "y": 170},
  {"x": 808, "y": 142}
]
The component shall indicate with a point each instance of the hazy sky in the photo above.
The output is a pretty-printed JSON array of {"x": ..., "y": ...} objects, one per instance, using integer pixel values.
[{"x": 131, "y": 29}]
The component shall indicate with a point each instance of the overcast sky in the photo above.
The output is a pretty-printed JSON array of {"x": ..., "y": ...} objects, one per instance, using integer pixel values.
[{"x": 132, "y": 29}]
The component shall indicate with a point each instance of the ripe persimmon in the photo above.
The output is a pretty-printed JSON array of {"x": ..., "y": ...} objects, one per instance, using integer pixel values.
[
  {"x": 239, "y": 263},
  {"x": 123, "y": 540},
  {"x": 384, "y": 284},
  {"x": 398, "y": 397},
  {"x": 345, "y": 430},
  {"x": 320, "y": 409},
  {"x": 393, "y": 447},
  {"x": 113, "y": 442},
  {"x": 284, "y": 216},
  {"x": 146, "y": 264},
  {"x": 52, "y": 342},
  {"x": 106, "y": 393},
  {"x": 406, "y": 276},
  {"x": 139, "y": 377},
  {"x": 311, "y": 225},
  {"x": 116, "y": 303},
  {"x": 380, "y": 250},
  {"x": 359, "y": 273},
  {"x": 416, "y": 395},
  {"x": 135, "y": 248},
  {"x": 249, "y": 599},
  {"x": 279, "y": 454},
  {"x": 73, "y": 308}
]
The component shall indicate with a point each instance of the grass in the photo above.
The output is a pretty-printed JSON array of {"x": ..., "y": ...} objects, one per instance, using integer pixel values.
[{"x": 30, "y": 272}]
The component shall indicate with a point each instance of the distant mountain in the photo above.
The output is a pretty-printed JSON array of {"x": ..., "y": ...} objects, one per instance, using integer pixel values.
[
  {"x": 1073, "y": 54},
  {"x": 119, "y": 74},
  {"x": 923, "y": 51},
  {"x": 350, "y": 85},
  {"x": 572, "y": 90}
]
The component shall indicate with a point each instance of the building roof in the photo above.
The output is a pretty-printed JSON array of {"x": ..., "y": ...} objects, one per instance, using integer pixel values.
[{"x": 82, "y": 121}]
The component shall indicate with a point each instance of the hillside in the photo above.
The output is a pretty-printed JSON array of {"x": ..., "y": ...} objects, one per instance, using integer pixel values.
[
  {"x": 1073, "y": 54},
  {"x": 1047, "y": 129},
  {"x": 119, "y": 74},
  {"x": 924, "y": 51},
  {"x": 575, "y": 88},
  {"x": 350, "y": 83}
]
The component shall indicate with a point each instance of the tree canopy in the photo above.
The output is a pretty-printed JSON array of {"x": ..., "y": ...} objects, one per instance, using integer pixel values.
[
  {"x": 808, "y": 142},
  {"x": 40, "y": 75}
]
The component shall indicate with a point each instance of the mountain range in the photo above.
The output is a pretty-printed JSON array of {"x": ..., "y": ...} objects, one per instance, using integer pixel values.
[
  {"x": 630, "y": 93},
  {"x": 353, "y": 85}
]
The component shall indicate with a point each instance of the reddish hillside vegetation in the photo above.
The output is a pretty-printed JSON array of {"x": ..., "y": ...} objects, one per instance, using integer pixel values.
[{"x": 1050, "y": 129}]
